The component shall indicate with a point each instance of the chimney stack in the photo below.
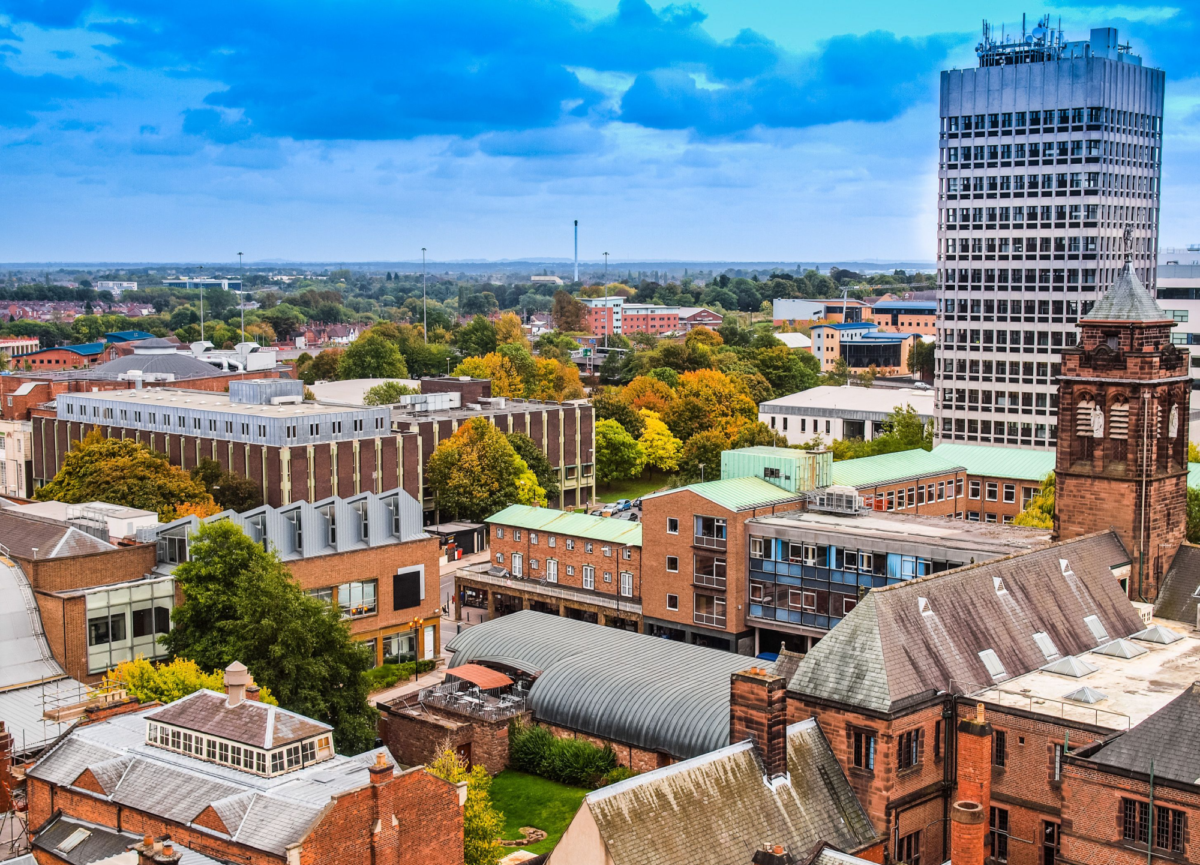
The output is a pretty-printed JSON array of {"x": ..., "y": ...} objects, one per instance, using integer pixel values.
[
  {"x": 253, "y": 693},
  {"x": 772, "y": 855},
  {"x": 968, "y": 829},
  {"x": 381, "y": 772},
  {"x": 758, "y": 711},
  {"x": 975, "y": 759},
  {"x": 151, "y": 852},
  {"x": 237, "y": 677}
]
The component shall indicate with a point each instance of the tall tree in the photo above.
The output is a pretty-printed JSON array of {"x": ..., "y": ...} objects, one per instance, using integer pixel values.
[
  {"x": 240, "y": 603},
  {"x": 618, "y": 455},
  {"x": 921, "y": 359},
  {"x": 660, "y": 449},
  {"x": 476, "y": 472},
  {"x": 372, "y": 356},
  {"x": 477, "y": 338},
  {"x": 570, "y": 314},
  {"x": 703, "y": 449},
  {"x": 510, "y": 332},
  {"x": 546, "y": 474},
  {"x": 123, "y": 472}
]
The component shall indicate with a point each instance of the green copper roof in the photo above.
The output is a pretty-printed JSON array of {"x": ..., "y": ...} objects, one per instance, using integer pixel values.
[
  {"x": 889, "y": 468},
  {"x": 1193, "y": 475},
  {"x": 575, "y": 525},
  {"x": 1127, "y": 300},
  {"x": 738, "y": 494},
  {"x": 999, "y": 462}
]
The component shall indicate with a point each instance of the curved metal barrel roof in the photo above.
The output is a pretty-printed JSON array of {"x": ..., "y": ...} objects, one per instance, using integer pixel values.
[{"x": 649, "y": 692}]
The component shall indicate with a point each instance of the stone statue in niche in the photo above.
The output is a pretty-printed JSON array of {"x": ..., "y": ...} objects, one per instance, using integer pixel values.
[
  {"x": 1097, "y": 422},
  {"x": 1173, "y": 422}
]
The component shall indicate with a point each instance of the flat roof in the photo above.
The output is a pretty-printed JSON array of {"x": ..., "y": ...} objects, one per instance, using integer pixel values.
[
  {"x": 167, "y": 398},
  {"x": 889, "y": 468},
  {"x": 878, "y": 400},
  {"x": 1001, "y": 539},
  {"x": 737, "y": 494},
  {"x": 550, "y": 520},
  {"x": 354, "y": 391},
  {"x": 1133, "y": 688},
  {"x": 491, "y": 409},
  {"x": 1000, "y": 462}
]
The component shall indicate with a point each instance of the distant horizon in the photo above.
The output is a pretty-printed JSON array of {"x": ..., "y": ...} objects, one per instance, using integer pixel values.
[{"x": 715, "y": 130}]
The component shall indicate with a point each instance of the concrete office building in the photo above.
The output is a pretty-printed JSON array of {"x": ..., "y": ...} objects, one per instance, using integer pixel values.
[
  {"x": 1048, "y": 151},
  {"x": 1179, "y": 294},
  {"x": 828, "y": 413}
]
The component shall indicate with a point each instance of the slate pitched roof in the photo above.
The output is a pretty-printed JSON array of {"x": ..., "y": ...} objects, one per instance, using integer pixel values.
[
  {"x": 1170, "y": 737},
  {"x": 906, "y": 642},
  {"x": 1127, "y": 300},
  {"x": 22, "y": 533},
  {"x": 1177, "y": 598},
  {"x": 720, "y": 804}
]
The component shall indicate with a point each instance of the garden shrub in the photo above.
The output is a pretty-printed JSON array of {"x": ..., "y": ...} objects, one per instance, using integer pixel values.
[{"x": 574, "y": 762}]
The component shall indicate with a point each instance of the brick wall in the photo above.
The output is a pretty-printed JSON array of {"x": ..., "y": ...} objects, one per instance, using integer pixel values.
[
  {"x": 919, "y": 495},
  {"x": 417, "y": 739},
  {"x": 64, "y": 621},
  {"x": 95, "y": 569},
  {"x": 504, "y": 543},
  {"x": 638, "y": 759}
]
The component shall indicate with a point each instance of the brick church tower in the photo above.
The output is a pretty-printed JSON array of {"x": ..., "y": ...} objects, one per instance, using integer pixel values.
[{"x": 1122, "y": 441}]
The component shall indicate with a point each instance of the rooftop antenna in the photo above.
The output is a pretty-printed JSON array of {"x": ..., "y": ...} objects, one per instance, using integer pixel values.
[{"x": 577, "y": 250}]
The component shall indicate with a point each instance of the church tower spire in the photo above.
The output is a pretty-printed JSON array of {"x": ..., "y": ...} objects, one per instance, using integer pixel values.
[{"x": 1124, "y": 396}]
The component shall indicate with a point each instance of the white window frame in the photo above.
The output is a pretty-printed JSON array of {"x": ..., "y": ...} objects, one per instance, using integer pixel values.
[
  {"x": 589, "y": 577},
  {"x": 551, "y": 570},
  {"x": 672, "y": 521},
  {"x": 517, "y": 568}
]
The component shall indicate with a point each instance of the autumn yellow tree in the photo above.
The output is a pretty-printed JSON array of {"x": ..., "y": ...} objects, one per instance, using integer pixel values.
[
  {"x": 554, "y": 380},
  {"x": 649, "y": 393},
  {"x": 506, "y": 381},
  {"x": 510, "y": 332},
  {"x": 660, "y": 449}
]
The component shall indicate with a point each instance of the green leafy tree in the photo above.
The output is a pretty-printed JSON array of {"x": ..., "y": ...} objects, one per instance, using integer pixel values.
[
  {"x": 477, "y": 338},
  {"x": 618, "y": 455},
  {"x": 476, "y": 472},
  {"x": 372, "y": 356},
  {"x": 610, "y": 404},
  {"x": 921, "y": 359},
  {"x": 784, "y": 370},
  {"x": 387, "y": 393},
  {"x": 230, "y": 490},
  {"x": 123, "y": 472},
  {"x": 546, "y": 474},
  {"x": 482, "y": 823},
  {"x": 169, "y": 682},
  {"x": 704, "y": 448},
  {"x": 758, "y": 434},
  {"x": 1193, "y": 515},
  {"x": 324, "y": 367},
  {"x": 1039, "y": 512},
  {"x": 240, "y": 603}
]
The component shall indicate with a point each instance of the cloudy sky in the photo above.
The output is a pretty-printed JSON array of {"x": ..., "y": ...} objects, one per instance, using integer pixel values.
[{"x": 355, "y": 130}]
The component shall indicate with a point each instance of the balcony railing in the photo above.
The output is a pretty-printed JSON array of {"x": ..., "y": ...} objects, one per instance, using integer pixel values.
[
  {"x": 709, "y": 580},
  {"x": 709, "y": 543},
  {"x": 710, "y": 619},
  {"x": 453, "y": 697},
  {"x": 622, "y": 603}
]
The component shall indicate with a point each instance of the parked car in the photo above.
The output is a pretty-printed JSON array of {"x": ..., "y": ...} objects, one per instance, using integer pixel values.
[
  {"x": 623, "y": 504},
  {"x": 637, "y": 503}
]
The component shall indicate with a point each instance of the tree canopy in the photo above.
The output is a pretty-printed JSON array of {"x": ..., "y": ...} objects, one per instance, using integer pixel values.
[
  {"x": 124, "y": 472},
  {"x": 546, "y": 474},
  {"x": 170, "y": 681},
  {"x": 372, "y": 356},
  {"x": 618, "y": 455},
  {"x": 240, "y": 603},
  {"x": 1039, "y": 512},
  {"x": 482, "y": 823},
  {"x": 387, "y": 393},
  {"x": 476, "y": 472}
]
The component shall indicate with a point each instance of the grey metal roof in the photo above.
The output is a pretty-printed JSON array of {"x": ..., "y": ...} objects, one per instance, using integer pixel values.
[
  {"x": 652, "y": 693},
  {"x": 24, "y": 653},
  {"x": 909, "y": 641},
  {"x": 1170, "y": 737},
  {"x": 1127, "y": 300},
  {"x": 718, "y": 809},
  {"x": 178, "y": 364},
  {"x": 267, "y": 813},
  {"x": 1178, "y": 597}
]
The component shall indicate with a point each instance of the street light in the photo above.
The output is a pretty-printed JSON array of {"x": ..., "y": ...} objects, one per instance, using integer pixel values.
[
  {"x": 242, "y": 294},
  {"x": 424, "y": 301},
  {"x": 416, "y": 625},
  {"x": 701, "y": 472},
  {"x": 607, "y": 311},
  {"x": 201, "y": 286}
]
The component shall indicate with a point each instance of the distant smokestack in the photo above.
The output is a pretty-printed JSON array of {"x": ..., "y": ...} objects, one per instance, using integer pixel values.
[{"x": 577, "y": 250}]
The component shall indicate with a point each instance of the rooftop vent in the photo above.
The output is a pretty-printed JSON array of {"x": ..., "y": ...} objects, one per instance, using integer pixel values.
[
  {"x": 1120, "y": 649},
  {"x": 998, "y": 584},
  {"x": 1097, "y": 628},
  {"x": 924, "y": 606},
  {"x": 1157, "y": 634},
  {"x": 1086, "y": 695},
  {"x": 836, "y": 500},
  {"x": 1070, "y": 666},
  {"x": 992, "y": 661}
]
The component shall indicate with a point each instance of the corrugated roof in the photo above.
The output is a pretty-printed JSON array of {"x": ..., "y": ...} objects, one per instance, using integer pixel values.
[
  {"x": 1127, "y": 300},
  {"x": 484, "y": 677},
  {"x": 25, "y": 655},
  {"x": 1193, "y": 475},
  {"x": 87, "y": 349},
  {"x": 906, "y": 642},
  {"x": 652, "y": 693},
  {"x": 127, "y": 335},
  {"x": 720, "y": 804},
  {"x": 23, "y": 712},
  {"x": 565, "y": 523},
  {"x": 999, "y": 462},
  {"x": 737, "y": 494},
  {"x": 178, "y": 364},
  {"x": 889, "y": 468}
]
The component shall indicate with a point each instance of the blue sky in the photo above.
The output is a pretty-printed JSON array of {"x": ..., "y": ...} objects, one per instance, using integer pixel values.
[{"x": 349, "y": 131}]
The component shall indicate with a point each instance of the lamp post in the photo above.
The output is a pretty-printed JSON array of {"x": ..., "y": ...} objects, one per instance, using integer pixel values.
[
  {"x": 608, "y": 324},
  {"x": 701, "y": 472},
  {"x": 201, "y": 287},
  {"x": 424, "y": 301},
  {"x": 242, "y": 294}
]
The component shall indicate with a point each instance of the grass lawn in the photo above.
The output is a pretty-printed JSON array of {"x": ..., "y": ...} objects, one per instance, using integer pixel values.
[
  {"x": 634, "y": 488},
  {"x": 527, "y": 800}
]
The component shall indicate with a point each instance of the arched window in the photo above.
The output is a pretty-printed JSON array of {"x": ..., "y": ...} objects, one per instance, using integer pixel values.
[
  {"x": 1084, "y": 429},
  {"x": 1118, "y": 429}
]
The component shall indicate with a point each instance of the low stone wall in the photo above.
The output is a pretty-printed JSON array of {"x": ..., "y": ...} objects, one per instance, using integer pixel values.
[
  {"x": 415, "y": 735},
  {"x": 637, "y": 759}
]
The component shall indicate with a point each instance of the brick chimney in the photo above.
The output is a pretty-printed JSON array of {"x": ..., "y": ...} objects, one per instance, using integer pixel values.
[
  {"x": 381, "y": 772},
  {"x": 758, "y": 711},
  {"x": 237, "y": 677},
  {"x": 772, "y": 855},
  {"x": 968, "y": 828},
  {"x": 253, "y": 692},
  {"x": 6, "y": 780},
  {"x": 974, "y": 773}
]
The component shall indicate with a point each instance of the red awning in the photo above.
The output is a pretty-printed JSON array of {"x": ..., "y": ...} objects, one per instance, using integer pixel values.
[{"x": 485, "y": 678}]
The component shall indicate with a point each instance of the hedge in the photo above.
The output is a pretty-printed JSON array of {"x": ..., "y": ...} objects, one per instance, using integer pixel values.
[
  {"x": 574, "y": 762},
  {"x": 387, "y": 675}
]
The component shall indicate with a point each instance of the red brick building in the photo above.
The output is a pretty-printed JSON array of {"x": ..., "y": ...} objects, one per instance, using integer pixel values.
[
  {"x": 1124, "y": 401},
  {"x": 204, "y": 774},
  {"x": 576, "y": 565}
]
